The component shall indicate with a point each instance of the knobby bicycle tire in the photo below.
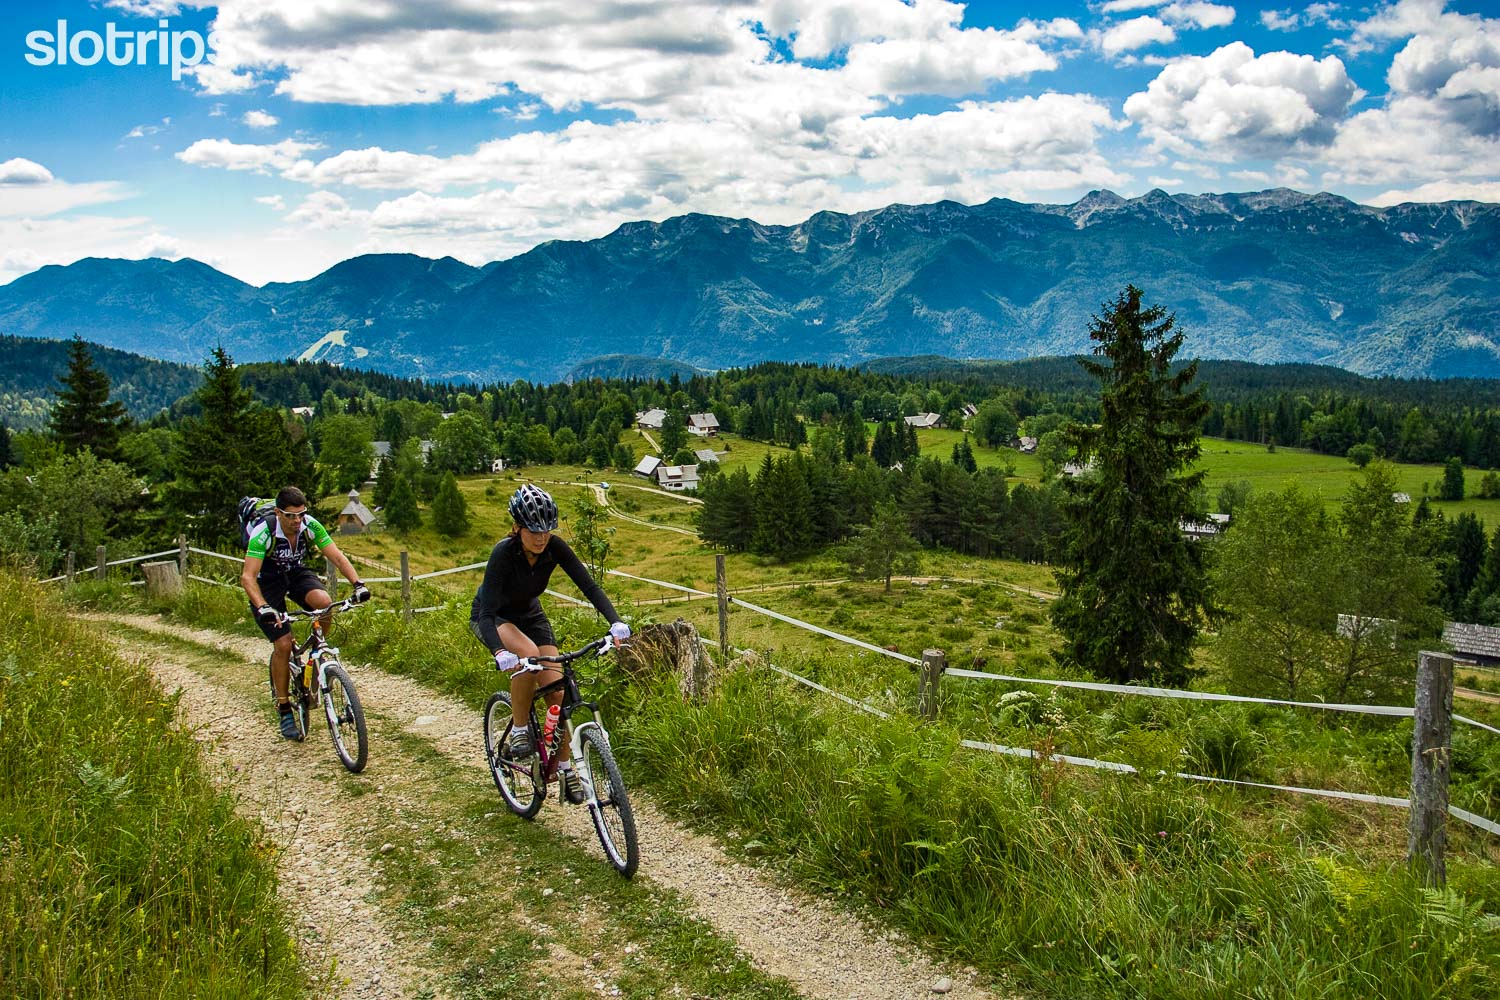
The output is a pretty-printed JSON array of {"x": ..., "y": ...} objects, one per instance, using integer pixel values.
[
  {"x": 614, "y": 821},
  {"x": 515, "y": 780},
  {"x": 345, "y": 717}
]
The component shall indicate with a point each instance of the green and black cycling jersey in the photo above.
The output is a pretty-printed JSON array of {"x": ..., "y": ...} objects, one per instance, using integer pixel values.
[{"x": 280, "y": 555}]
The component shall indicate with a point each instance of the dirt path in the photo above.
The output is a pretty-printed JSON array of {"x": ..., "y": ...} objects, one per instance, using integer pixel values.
[
  {"x": 818, "y": 947},
  {"x": 1473, "y": 695},
  {"x": 337, "y": 924}
]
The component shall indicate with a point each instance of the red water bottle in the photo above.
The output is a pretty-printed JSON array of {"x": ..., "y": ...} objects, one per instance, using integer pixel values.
[
  {"x": 550, "y": 726},
  {"x": 548, "y": 729}
]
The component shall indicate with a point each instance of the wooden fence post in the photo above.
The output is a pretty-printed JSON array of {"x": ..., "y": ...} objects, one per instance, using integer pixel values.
[
  {"x": 405, "y": 588},
  {"x": 331, "y": 575},
  {"x": 68, "y": 568},
  {"x": 99, "y": 567},
  {"x": 1431, "y": 741},
  {"x": 182, "y": 556},
  {"x": 721, "y": 584},
  {"x": 927, "y": 683}
]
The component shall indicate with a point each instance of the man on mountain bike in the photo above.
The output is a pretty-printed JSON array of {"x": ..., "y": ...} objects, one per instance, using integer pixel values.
[
  {"x": 507, "y": 616},
  {"x": 274, "y": 571}
]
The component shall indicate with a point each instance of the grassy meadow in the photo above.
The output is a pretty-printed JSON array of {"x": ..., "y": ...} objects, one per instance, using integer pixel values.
[
  {"x": 124, "y": 871},
  {"x": 1055, "y": 881}
]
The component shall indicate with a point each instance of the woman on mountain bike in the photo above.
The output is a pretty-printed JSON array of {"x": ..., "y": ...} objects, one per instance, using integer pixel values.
[{"x": 508, "y": 618}]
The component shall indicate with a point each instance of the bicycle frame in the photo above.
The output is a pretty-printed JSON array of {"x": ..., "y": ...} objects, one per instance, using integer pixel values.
[
  {"x": 317, "y": 642},
  {"x": 572, "y": 701},
  {"x": 523, "y": 782}
]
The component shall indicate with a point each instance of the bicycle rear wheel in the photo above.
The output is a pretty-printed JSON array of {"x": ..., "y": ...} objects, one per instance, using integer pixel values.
[
  {"x": 346, "y": 718},
  {"x": 296, "y": 694},
  {"x": 517, "y": 780},
  {"x": 614, "y": 821}
]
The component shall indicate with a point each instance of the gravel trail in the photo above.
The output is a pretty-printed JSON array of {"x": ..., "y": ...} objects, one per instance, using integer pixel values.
[{"x": 819, "y": 947}]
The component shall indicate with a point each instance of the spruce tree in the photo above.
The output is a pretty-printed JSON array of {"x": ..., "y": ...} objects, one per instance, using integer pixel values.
[
  {"x": 1453, "y": 480},
  {"x": 450, "y": 515},
  {"x": 963, "y": 456},
  {"x": 883, "y": 548},
  {"x": 1134, "y": 589},
  {"x": 233, "y": 448},
  {"x": 385, "y": 478},
  {"x": 855, "y": 440},
  {"x": 883, "y": 449},
  {"x": 673, "y": 433},
  {"x": 84, "y": 416},
  {"x": 7, "y": 455},
  {"x": 401, "y": 514}
]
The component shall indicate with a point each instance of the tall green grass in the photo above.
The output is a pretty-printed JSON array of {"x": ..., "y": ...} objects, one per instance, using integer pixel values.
[
  {"x": 1070, "y": 882},
  {"x": 1079, "y": 884},
  {"x": 123, "y": 871}
]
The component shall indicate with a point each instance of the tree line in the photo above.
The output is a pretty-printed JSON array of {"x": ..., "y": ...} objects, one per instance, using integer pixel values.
[{"x": 1114, "y": 532}]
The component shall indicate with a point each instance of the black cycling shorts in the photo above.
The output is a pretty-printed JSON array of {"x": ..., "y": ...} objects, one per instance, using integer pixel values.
[
  {"x": 533, "y": 625},
  {"x": 296, "y": 584}
]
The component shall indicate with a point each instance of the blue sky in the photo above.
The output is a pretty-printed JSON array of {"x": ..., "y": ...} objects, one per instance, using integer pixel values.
[{"x": 315, "y": 131}]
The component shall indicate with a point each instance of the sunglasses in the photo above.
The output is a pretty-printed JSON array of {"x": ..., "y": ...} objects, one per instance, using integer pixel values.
[{"x": 295, "y": 515}]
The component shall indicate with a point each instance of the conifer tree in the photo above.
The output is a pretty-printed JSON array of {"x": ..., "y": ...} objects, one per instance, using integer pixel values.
[
  {"x": 673, "y": 433},
  {"x": 401, "y": 514},
  {"x": 233, "y": 448},
  {"x": 856, "y": 442},
  {"x": 1134, "y": 590},
  {"x": 883, "y": 548},
  {"x": 7, "y": 455},
  {"x": 385, "y": 478},
  {"x": 85, "y": 417},
  {"x": 450, "y": 515},
  {"x": 963, "y": 456},
  {"x": 883, "y": 450},
  {"x": 1453, "y": 480},
  {"x": 907, "y": 435}
]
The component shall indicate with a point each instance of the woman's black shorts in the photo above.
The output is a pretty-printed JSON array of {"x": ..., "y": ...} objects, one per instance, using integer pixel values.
[{"x": 533, "y": 625}]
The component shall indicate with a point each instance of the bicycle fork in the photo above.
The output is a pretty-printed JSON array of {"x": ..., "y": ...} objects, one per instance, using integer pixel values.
[{"x": 580, "y": 759}]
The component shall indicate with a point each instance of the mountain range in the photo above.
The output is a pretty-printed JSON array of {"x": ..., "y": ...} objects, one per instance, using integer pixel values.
[{"x": 1270, "y": 276}]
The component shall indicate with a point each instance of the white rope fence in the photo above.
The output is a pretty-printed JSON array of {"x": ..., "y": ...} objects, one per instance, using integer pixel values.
[
  {"x": 1464, "y": 815},
  {"x": 1390, "y": 711}
]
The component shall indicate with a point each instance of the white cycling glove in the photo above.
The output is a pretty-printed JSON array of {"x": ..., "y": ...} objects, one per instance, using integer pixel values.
[
  {"x": 620, "y": 631},
  {"x": 506, "y": 661}
]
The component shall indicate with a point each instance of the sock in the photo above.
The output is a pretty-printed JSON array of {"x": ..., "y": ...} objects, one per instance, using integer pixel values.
[
  {"x": 566, "y": 765},
  {"x": 521, "y": 729}
]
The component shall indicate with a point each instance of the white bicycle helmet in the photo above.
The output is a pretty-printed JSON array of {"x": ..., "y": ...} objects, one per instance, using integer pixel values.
[{"x": 533, "y": 509}]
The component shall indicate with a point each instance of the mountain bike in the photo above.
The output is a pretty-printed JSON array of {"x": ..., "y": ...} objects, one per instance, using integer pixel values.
[
  {"x": 523, "y": 783},
  {"x": 317, "y": 677}
]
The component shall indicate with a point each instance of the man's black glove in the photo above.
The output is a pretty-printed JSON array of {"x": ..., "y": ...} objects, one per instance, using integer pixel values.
[
  {"x": 361, "y": 593},
  {"x": 267, "y": 615}
]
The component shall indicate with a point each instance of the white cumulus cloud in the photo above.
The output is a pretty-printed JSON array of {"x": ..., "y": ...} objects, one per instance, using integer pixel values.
[
  {"x": 1439, "y": 126},
  {"x": 21, "y": 171},
  {"x": 1135, "y": 34},
  {"x": 245, "y": 156},
  {"x": 1198, "y": 14},
  {"x": 260, "y": 119},
  {"x": 1233, "y": 102}
]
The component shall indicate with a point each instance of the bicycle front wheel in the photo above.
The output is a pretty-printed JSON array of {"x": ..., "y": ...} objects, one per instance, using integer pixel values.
[
  {"x": 613, "y": 819},
  {"x": 516, "y": 779},
  {"x": 346, "y": 718}
]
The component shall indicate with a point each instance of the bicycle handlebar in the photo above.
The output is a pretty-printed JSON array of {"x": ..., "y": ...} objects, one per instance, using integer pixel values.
[
  {"x": 538, "y": 663},
  {"x": 347, "y": 604}
]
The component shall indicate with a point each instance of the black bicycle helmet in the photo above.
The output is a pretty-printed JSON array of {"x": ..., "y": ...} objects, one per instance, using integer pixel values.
[{"x": 533, "y": 509}]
